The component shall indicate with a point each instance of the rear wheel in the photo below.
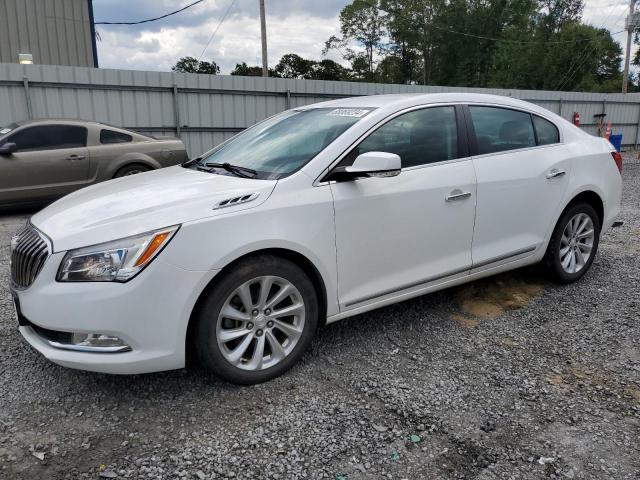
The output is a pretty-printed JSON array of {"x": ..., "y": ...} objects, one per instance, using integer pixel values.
[
  {"x": 257, "y": 321},
  {"x": 574, "y": 243},
  {"x": 132, "y": 169}
]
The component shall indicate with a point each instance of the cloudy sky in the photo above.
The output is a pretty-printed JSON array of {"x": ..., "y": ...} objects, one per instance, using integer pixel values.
[{"x": 299, "y": 26}]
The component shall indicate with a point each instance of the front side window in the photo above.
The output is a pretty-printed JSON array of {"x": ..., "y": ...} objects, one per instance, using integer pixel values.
[
  {"x": 49, "y": 137},
  {"x": 285, "y": 143},
  {"x": 546, "y": 131},
  {"x": 419, "y": 137},
  {"x": 111, "y": 136},
  {"x": 500, "y": 129}
]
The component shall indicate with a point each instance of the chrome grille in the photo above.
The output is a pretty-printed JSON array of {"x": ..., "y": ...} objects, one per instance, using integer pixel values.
[{"x": 29, "y": 251}]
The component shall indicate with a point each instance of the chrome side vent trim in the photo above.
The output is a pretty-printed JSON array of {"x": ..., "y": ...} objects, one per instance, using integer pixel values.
[{"x": 230, "y": 202}]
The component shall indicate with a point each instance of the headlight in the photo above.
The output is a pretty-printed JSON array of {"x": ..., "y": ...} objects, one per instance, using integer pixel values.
[{"x": 118, "y": 261}]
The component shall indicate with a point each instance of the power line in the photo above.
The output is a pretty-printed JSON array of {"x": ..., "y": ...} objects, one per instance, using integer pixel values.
[
  {"x": 151, "y": 19},
  {"x": 575, "y": 61},
  {"x": 520, "y": 42},
  {"x": 224, "y": 17},
  {"x": 579, "y": 60}
]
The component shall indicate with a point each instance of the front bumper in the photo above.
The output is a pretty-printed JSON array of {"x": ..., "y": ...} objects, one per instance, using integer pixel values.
[{"x": 150, "y": 314}]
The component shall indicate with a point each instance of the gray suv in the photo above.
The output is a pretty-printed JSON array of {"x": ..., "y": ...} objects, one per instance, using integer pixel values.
[{"x": 41, "y": 160}]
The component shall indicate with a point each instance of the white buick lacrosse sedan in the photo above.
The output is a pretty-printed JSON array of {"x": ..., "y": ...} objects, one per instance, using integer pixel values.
[{"x": 311, "y": 216}]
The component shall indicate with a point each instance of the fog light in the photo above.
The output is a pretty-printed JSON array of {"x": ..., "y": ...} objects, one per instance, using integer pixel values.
[
  {"x": 92, "y": 342},
  {"x": 96, "y": 340}
]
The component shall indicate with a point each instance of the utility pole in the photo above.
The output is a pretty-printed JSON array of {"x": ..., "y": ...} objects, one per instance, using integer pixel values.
[
  {"x": 263, "y": 31},
  {"x": 631, "y": 23}
]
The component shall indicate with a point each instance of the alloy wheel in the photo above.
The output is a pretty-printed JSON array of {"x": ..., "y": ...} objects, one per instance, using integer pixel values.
[
  {"x": 260, "y": 323},
  {"x": 576, "y": 243}
]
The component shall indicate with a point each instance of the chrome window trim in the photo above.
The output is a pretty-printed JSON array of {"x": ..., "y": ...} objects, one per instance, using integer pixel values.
[{"x": 515, "y": 150}]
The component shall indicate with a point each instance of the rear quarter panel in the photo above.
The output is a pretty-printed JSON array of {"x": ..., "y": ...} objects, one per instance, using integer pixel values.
[
  {"x": 593, "y": 169},
  {"x": 106, "y": 160}
]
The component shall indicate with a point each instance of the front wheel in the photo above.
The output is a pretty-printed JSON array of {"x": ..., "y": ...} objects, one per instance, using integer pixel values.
[
  {"x": 574, "y": 243},
  {"x": 257, "y": 321}
]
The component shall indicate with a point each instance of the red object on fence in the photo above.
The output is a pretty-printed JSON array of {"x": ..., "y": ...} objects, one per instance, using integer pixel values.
[{"x": 576, "y": 119}]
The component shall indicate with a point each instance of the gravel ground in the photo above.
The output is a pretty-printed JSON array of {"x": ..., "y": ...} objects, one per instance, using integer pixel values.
[{"x": 506, "y": 378}]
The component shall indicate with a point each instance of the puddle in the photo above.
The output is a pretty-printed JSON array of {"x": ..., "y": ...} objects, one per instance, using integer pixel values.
[{"x": 490, "y": 298}]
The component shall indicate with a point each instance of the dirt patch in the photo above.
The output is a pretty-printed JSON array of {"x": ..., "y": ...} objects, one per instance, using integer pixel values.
[
  {"x": 554, "y": 378},
  {"x": 506, "y": 342},
  {"x": 491, "y": 298},
  {"x": 465, "y": 321},
  {"x": 580, "y": 376}
]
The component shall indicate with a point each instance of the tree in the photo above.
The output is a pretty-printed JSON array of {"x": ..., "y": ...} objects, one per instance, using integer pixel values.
[
  {"x": 247, "y": 71},
  {"x": 328, "y": 70},
  {"x": 364, "y": 23},
  {"x": 556, "y": 13},
  {"x": 192, "y": 65},
  {"x": 389, "y": 70},
  {"x": 293, "y": 66}
]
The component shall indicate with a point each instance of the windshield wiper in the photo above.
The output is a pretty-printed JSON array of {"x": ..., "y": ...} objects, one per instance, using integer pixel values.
[
  {"x": 188, "y": 163},
  {"x": 235, "y": 169}
]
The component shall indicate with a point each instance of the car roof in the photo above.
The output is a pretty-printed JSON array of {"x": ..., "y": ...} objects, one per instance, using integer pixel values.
[
  {"x": 410, "y": 99},
  {"x": 61, "y": 121}
]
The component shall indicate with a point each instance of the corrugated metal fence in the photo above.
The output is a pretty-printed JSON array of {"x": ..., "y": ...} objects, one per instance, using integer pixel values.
[{"x": 204, "y": 110}]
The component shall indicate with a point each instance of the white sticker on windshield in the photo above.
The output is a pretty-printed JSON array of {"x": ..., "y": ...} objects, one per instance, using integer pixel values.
[
  {"x": 5, "y": 130},
  {"x": 348, "y": 112}
]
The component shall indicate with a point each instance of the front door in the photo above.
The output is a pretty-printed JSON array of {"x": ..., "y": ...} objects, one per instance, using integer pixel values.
[
  {"x": 402, "y": 233},
  {"x": 51, "y": 161}
]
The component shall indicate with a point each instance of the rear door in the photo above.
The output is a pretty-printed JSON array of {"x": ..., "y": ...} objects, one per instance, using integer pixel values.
[
  {"x": 51, "y": 161},
  {"x": 522, "y": 170}
]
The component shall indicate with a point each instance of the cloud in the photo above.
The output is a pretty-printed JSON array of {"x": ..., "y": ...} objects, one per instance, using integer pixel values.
[
  {"x": 299, "y": 26},
  {"x": 238, "y": 42}
]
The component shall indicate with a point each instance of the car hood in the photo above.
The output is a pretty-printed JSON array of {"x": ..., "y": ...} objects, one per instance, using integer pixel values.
[{"x": 139, "y": 203}]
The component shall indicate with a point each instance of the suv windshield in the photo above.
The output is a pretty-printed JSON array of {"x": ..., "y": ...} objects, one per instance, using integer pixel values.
[{"x": 284, "y": 143}]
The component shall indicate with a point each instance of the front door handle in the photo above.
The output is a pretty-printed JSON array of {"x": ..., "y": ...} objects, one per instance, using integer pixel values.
[
  {"x": 457, "y": 195},
  {"x": 75, "y": 157},
  {"x": 555, "y": 173}
]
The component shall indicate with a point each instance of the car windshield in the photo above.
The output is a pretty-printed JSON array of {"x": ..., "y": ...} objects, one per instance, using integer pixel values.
[
  {"x": 7, "y": 129},
  {"x": 284, "y": 143}
]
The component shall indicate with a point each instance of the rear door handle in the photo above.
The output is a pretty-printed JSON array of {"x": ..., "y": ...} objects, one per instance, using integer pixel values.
[
  {"x": 555, "y": 173},
  {"x": 75, "y": 157},
  {"x": 457, "y": 195}
]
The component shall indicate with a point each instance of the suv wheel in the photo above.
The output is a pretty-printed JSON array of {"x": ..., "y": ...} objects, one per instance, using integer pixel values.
[{"x": 257, "y": 321}]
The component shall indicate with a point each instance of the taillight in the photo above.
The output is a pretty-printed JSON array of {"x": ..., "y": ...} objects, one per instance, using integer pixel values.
[{"x": 618, "y": 159}]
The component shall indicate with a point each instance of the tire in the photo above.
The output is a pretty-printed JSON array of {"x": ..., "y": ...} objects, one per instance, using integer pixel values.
[
  {"x": 225, "y": 328},
  {"x": 132, "y": 169},
  {"x": 563, "y": 246}
]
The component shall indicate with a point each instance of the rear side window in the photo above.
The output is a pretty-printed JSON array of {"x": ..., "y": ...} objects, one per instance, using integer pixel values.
[
  {"x": 111, "y": 136},
  {"x": 49, "y": 137},
  {"x": 418, "y": 137},
  {"x": 499, "y": 129},
  {"x": 546, "y": 131}
]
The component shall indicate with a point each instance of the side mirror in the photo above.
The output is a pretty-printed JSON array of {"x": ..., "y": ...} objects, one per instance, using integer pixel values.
[
  {"x": 8, "y": 148},
  {"x": 370, "y": 164}
]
